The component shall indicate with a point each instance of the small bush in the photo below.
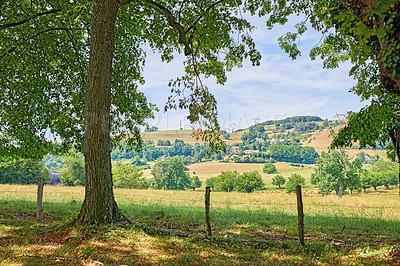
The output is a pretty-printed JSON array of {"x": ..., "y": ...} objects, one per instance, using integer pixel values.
[
  {"x": 293, "y": 181},
  {"x": 249, "y": 181},
  {"x": 269, "y": 168},
  {"x": 129, "y": 176}
]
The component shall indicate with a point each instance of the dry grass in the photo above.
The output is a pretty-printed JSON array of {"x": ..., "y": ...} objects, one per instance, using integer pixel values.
[
  {"x": 380, "y": 204},
  {"x": 321, "y": 140},
  {"x": 209, "y": 169},
  {"x": 249, "y": 229},
  {"x": 170, "y": 135}
]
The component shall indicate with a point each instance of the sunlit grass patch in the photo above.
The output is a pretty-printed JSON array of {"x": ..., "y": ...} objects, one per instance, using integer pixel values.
[{"x": 168, "y": 228}]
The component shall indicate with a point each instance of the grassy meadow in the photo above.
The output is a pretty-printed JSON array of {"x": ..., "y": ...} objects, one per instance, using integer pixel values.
[{"x": 168, "y": 229}]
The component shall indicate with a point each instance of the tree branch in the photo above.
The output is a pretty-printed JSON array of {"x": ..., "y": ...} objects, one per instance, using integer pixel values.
[
  {"x": 171, "y": 21},
  {"x": 202, "y": 15},
  {"x": 8, "y": 25}
]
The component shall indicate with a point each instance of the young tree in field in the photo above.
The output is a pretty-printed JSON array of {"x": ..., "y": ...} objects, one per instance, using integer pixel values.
[
  {"x": 278, "y": 180},
  {"x": 129, "y": 176},
  {"x": 375, "y": 124},
  {"x": 171, "y": 174},
  {"x": 195, "y": 182},
  {"x": 385, "y": 172},
  {"x": 226, "y": 181},
  {"x": 366, "y": 180},
  {"x": 334, "y": 172},
  {"x": 293, "y": 181},
  {"x": 210, "y": 182},
  {"x": 73, "y": 171},
  {"x": 86, "y": 89},
  {"x": 269, "y": 168},
  {"x": 248, "y": 182}
]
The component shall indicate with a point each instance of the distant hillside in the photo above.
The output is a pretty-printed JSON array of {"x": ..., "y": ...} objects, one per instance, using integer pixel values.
[
  {"x": 185, "y": 135},
  {"x": 318, "y": 139},
  {"x": 321, "y": 141}
]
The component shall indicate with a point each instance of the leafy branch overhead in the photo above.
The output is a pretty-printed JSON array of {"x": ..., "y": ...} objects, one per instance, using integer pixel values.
[{"x": 365, "y": 32}]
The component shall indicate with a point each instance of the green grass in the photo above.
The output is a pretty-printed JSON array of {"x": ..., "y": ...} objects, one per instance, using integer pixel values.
[{"x": 168, "y": 229}]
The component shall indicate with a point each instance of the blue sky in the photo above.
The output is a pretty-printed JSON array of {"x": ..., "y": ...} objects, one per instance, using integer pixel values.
[{"x": 276, "y": 89}]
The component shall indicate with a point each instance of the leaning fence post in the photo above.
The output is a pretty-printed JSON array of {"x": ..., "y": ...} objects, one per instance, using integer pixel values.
[
  {"x": 39, "y": 208},
  {"x": 207, "y": 208},
  {"x": 300, "y": 215}
]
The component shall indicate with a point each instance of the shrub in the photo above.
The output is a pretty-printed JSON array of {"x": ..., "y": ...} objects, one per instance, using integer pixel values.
[
  {"x": 22, "y": 172},
  {"x": 293, "y": 181},
  {"x": 73, "y": 171},
  {"x": 171, "y": 174},
  {"x": 196, "y": 183},
  {"x": 249, "y": 181},
  {"x": 226, "y": 181},
  {"x": 269, "y": 168},
  {"x": 129, "y": 176}
]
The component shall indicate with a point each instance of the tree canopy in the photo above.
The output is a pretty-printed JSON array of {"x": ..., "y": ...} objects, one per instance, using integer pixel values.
[
  {"x": 171, "y": 174},
  {"x": 334, "y": 172},
  {"x": 363, "y": 32}
]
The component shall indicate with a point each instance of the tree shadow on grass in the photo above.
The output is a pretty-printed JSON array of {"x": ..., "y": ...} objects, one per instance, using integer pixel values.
[{"x": 174, "y": 235}]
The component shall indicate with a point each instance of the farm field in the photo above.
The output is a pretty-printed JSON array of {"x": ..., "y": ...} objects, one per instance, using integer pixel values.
[
  {"x": 168, "y": 229},
  {"x": 209, "y": 169}
]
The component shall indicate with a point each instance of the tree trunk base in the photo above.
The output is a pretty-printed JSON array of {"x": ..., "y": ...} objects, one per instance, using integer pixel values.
[{"x": 90, "y": 216}]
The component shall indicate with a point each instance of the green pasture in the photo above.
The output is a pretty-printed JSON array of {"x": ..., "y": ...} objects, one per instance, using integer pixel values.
[{"x": 167, "y": 228}]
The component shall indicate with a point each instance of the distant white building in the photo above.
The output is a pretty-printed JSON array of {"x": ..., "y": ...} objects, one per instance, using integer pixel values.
[{"x": 235, "y": 148}]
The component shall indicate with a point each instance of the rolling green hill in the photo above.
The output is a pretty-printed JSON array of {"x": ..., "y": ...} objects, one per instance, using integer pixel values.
[{"x": 319, "y": 139}]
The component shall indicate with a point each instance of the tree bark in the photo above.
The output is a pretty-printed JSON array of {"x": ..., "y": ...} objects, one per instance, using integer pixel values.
[{"x": 99, "y": 205}]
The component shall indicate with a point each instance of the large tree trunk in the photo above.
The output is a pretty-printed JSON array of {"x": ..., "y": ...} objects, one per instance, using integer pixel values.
[{"x": 99, "y": 205}]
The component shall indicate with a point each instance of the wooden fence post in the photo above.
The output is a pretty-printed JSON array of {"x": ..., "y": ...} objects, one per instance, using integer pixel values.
[
  {"x": 39, "y": 208},
  {"x": 300, "y": 215},
  {"x": 207, "y": 208}
]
